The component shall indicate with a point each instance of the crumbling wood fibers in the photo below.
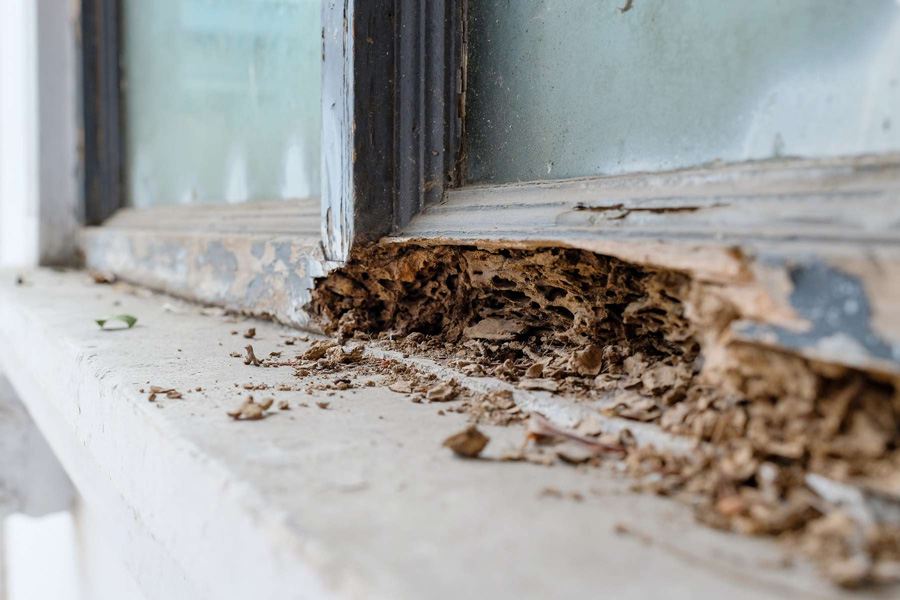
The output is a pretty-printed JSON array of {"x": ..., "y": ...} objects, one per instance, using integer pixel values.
[
  {"x": 658, "y": 343},
  {"x": 560, "y": 297}
]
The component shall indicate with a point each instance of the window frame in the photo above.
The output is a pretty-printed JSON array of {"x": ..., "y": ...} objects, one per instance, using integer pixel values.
[
  {"x": 393, "y": 160},
  {"x": 380, "y": 166}
]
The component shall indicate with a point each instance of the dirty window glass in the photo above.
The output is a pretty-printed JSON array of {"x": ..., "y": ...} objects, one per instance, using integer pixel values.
[
  {"x": 589, "y": 87},
  {"x": 222, "y": 100}
]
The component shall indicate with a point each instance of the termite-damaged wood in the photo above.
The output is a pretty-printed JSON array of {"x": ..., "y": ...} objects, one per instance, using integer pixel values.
[
  {"x": 661, "y": 347},
  {"x": 807, "y": 250}
]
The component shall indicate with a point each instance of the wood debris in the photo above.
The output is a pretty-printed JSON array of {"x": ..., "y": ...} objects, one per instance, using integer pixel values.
[
  {"x": 250, "y": 333},
  {"x": 170, "y": 393},
  {"x": 248, "y": 410},
  {"x": 401, "y": 387},
  {"x": 539, "y": 428},
  {"x": 251, "y": 357},
  {"x": 495, "y": 329},
  {"x": 657, "y": 345},
  {"x": 442, "y": 392},
  {"x": 588, "y": 361},
  {"x": 468, "y": 443},
  {"x": 102, "y": 277}
]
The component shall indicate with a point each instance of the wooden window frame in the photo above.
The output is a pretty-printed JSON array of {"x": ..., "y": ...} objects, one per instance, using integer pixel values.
[
  {"x": 391, "y": 131},
  {"x": 790, "y": 241}
]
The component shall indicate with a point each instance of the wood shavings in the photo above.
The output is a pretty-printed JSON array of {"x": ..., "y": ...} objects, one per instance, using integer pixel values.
[
  {"x": 250, "y": 333},
  {"x": 323, "y": 405}
]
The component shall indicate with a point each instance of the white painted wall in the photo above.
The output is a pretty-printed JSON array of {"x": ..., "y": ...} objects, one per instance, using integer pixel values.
[
  {"x": 40, "y": 554},
  {"x": 19, "y": 214},
  {"x": 39, "y": 198}
]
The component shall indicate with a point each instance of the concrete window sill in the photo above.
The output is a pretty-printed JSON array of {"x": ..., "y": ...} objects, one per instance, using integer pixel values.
[{"x": 356, "y": 501}]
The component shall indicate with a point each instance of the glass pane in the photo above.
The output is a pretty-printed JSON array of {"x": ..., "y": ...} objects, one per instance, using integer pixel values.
[
  {"x": 222, "y": 100},
  {"x": 569, "y": 88}
]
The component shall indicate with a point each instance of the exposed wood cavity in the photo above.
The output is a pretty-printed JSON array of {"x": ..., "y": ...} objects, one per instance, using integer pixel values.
[{"x": 657, "y": 346}]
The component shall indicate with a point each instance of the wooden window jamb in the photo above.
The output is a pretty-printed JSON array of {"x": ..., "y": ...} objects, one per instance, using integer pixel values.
[{"x": 102, "y": 124}]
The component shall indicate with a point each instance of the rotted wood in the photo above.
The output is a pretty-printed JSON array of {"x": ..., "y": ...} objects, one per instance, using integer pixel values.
[
  {"x": 390, "y": 108},
  {"x": 809, "y": 250}
]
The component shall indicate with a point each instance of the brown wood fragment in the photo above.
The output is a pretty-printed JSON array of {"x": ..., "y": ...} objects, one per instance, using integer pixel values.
[
  {"x": 468, "y": 443},
  {"x": 442, "y": 392},
  {"x": 251, "y": 357},
  {"x": 540, "y": 427}
]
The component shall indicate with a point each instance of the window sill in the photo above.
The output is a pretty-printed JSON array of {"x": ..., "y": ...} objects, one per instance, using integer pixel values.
[
  {"x": 359, "y": 500},
  {"x": 257, "y": 258}
]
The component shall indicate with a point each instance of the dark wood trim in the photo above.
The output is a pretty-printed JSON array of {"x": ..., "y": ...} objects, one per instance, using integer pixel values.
[
  {"x": 390, "y": 108},
  {"x": 427, "y": 106},
  {"x": 102, "y": 123}
]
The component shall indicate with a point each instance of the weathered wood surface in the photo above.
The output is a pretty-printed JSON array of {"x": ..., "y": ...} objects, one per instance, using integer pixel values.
[
  {"x": 256, "y": 258},
  {"x": 809, "y": 250},
  {"x": 392, "y": 126},
  {"x": 357, "y": 123}
]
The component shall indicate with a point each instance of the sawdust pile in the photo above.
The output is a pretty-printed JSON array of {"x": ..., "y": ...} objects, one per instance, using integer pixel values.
[{"x": 656, "y": 346}]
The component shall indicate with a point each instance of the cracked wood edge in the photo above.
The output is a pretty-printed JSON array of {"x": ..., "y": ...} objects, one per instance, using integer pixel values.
[{"x": 808, "y": 250}]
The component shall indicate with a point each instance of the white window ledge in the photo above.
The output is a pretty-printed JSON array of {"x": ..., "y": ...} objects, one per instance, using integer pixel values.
[{"x": 357, "y": 501}]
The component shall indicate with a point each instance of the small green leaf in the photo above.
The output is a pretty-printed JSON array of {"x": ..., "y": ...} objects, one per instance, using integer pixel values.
[{"x": 127, "y": 319}]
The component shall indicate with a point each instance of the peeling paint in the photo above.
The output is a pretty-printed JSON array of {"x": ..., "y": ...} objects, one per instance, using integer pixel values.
[
  {"x": 837, "y": 311},
  {"x": 254, "y": 274}
]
